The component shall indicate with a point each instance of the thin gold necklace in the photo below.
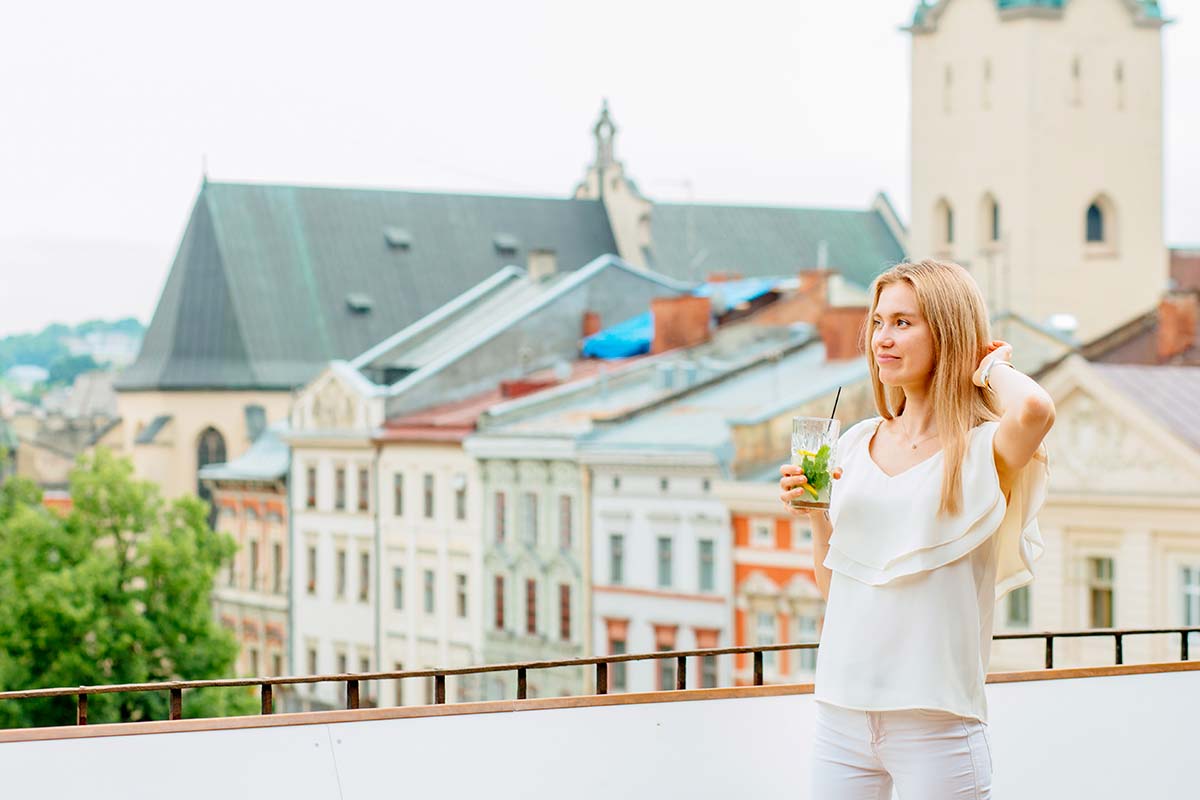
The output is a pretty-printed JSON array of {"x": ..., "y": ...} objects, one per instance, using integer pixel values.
[{"x": 904, "y": 428}]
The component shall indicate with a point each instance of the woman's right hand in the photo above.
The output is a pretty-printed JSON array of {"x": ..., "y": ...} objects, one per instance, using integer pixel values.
[{"x": 791, "y": 487}]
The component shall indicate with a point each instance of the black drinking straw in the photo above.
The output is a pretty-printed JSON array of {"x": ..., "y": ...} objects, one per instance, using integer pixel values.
[{"x": 831, "y": 413}]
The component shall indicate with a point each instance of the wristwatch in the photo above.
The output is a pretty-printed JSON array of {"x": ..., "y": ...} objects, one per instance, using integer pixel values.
[{"x": 983, "y": 377}]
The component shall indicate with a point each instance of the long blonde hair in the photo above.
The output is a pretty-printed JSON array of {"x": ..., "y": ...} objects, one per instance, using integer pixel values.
[{"x": 950, "y": 301}]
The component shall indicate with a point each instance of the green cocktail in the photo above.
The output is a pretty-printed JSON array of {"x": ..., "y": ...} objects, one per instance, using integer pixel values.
[{"x": 814, "y": 441}]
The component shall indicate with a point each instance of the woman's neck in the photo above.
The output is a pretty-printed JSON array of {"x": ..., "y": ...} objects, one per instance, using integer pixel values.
[{"x": 918, "y": 413}]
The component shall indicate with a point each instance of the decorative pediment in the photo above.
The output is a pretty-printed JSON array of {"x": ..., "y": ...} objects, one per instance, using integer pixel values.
[{"x": 1105, "y": 443}]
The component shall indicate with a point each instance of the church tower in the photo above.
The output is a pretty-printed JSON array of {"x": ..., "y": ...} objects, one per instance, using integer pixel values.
[{"x": 1037, "y": 153}]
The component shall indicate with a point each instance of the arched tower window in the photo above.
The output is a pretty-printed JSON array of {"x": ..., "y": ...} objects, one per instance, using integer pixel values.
[
  {"x": 1095, "y": 223},
  {"x": 1076, "y": 81},
  {"x": 987, "y": 83},
  {"x": 990, "y": 219},
  {"x": 947, "y": 87},
  {"x": 210, "y": 449},
  {"x": 1119, "y": 79},
  {"x": 943, "y": 215}
]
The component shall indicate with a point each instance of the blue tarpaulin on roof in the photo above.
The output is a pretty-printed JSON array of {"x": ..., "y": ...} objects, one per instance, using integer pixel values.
[
  {"x": 734, "y": 293},
  {"x": 623, "y": 340}
]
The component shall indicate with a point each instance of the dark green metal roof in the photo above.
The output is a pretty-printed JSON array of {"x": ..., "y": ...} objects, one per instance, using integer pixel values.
[
  {"x": 258, "y": 294},
  {"x": 692, "y": 240}
]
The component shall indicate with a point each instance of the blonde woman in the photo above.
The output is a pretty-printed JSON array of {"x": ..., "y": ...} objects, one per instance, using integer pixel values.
[{"x": 932, "y": 521}]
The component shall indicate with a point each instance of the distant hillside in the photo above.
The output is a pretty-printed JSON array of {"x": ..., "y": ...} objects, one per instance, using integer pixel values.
[{"x": 65, "y": 351}]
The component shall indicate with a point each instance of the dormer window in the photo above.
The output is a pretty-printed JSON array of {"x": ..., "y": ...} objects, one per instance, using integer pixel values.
[
  {"x": 506, "y": 244},
  {"x": 397, "y": 238},
  {"x": 359, "y": 303}
]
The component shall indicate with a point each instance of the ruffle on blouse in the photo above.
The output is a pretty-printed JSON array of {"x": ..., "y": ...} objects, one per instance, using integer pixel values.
[{"x": 886, "y": 528}]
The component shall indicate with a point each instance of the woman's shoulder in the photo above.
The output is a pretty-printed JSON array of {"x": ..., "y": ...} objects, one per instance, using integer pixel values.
[{"x": 857, "y": 430}]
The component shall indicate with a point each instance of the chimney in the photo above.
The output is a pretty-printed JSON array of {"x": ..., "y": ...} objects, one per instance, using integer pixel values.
[
  {"x": 724, "y": 277},
  {"x": 591, "y": 323},
  {"x": 841, "y": 330},
  {"x": 1177, "y": 316},
  {"x": 543, "y": 264},
  {"x": 681, "y": 321}
]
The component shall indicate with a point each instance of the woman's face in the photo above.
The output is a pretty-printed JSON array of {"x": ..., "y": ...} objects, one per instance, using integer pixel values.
[{"x": 901, "y": 342}]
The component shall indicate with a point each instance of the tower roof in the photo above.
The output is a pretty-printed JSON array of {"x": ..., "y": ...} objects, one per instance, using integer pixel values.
[{"x": 925, "y": 15}]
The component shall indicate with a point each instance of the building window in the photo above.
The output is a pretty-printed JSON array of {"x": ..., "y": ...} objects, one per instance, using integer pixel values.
[
  {"x": 499, "y": 601},
  {"x": 564, "y": 612},
  {"x": 616, "y": 559},
  {"x": 531, "y": 606},
  {"x": 706, "y": 485},
  {"x": 665, "y": 667},
  {"x": 1095, "y": 224},
  {"x": 460, "y": 594},
  {"x": 428, "y": 495},
  {"x": 1100, "y": 591},
  {"x": 312, "y": 661},
  {"x": 616, "y": 483},
  {"x": 340, "y": 574},
  {"x": 1018, "y": 608},
  {"x": 398, "y": 588},
  {"x": 947, "y": 87},
  {"x": 764, "y": 634},
  {"x": 943, "y": 216},
  {"x": 253, "y": 548},
  {"x": 277, "y": 568},
  {"x": 565, "y": 534},
  {"x": 617, "y": 675},
  {"x": 364, "y": 489},
  {"x": 664, "y": 562},
  {"x": 663, "y": 485},
  {"x": 708, "y": 672},
  {"x": 364, "y": 577},
  {"x": 529, "y": 527},
  {"x": 364, "y": 664},
  {"x": 254, "y": 662},
  {"x": 276, "y": 664},
  {"x": 806, "y": 631},
  {"x": 991, "y": 218},
  {"x": 499, "y": 514},
  {"x": 310, "y": 487},
  {"x": 801, "y": 534},
  {"x": 762, "y": 533},
  {"x": 342, "y": 664},
  {"x": 398, "y": 494},
  {"x": 339, "y": 488},
  {"x": 460, "y": 497},
  {"x": 429, "y": 591},
  {"x": 708, "y": 582},
  {"x": 1191, "y": 602},
  {"x": 399, "y": 684},
  {"x": 312, "y": 569}
]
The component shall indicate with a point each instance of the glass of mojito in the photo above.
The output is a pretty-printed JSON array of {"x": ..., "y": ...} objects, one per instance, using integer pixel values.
[{"x": 814, "y": 446}]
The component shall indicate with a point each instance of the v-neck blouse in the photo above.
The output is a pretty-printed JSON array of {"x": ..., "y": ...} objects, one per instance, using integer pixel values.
[{"x": 911, "y": 600}]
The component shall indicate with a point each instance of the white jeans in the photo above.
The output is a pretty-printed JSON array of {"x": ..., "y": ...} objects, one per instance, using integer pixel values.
[{"x": 925, "y": 755}]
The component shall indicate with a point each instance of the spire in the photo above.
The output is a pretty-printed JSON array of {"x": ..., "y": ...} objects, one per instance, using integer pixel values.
[{"x": 605, "y": 132}]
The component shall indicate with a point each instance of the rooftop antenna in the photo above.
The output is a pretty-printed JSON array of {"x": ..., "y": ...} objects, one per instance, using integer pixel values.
[{"x": 204, "y": 169}]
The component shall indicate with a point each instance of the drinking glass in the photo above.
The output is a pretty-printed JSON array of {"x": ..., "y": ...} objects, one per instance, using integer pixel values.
[{"x": 814, "y": 448}]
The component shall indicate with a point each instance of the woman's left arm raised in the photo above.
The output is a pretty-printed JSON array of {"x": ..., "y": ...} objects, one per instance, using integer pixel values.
[{"x": 1027, "y": 413}]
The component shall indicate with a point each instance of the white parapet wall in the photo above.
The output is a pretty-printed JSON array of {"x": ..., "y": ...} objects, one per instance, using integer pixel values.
[{"x": 1096, "y": 734}]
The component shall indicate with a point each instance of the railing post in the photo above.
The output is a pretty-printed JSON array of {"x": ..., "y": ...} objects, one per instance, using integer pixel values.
[
  {"x": 351, "y": 694},
  {"x": 1120, "y": 651},
  {"x": 1049, "y": 652},
  {"x": 522, "y": 685},
  {"x": 267, "y": 699},
  {"x": 81, "y": 706},
  {"x": 602, "y": 678},
  {"x": 758, "y": 668},
  {"x": 439, "y": 689},
  {"x": 680, "y": 672},
  {"x": 176, "y": 704}
]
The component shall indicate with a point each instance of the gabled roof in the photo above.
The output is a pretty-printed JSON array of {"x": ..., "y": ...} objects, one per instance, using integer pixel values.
[
  {"x": 272, "y": 282},
  {"x": 1168, "y": 394},
  {"x": 691, "y": 240}
]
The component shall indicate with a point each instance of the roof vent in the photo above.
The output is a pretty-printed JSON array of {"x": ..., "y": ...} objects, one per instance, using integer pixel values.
[
  {"x": 506, "y": 244},
  {"x": 359, "y": 303},
  {"x": 397, "y": 238}
]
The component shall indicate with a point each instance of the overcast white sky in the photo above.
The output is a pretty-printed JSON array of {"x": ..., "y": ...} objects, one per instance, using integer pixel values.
[{"x": 109, "y": 110}]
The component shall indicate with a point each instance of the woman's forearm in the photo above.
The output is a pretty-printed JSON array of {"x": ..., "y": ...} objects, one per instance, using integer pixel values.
[
  {"x": 822, "y": 529},
  {"x": 1018, "y": 393}
]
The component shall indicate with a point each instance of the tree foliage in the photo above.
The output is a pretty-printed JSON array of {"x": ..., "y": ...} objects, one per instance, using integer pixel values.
[{"x": 115, "y": 591}]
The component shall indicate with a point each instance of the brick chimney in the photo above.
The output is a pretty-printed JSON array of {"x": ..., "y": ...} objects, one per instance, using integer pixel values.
[
  {"x": 591, "y": 323},
  {"x": 806, "y": 304},
  {"x": 841, "y": 330},
  {"x": 1177, "y": 315},
  {"x": 680, "y": 322},
  {"x": 724, "y": 277}
]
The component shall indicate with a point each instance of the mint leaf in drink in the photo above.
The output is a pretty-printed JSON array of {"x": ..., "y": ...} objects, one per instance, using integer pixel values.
[{"x": 816, "y": 468}]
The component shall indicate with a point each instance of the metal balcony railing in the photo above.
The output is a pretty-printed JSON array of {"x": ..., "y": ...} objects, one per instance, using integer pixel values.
[{"x": 352, "y": 681}]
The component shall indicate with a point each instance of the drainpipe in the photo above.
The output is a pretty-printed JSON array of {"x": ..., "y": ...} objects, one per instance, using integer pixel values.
[{"x": 585, "y": 509}]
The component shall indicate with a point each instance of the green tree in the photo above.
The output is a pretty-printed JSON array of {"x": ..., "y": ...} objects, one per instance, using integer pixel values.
[
  {"x": 116, "y": 591},
  {"x": 65, "y": 369}
]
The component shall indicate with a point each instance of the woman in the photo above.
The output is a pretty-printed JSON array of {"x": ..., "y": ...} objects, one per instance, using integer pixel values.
[{"x": 931, "y": 522}]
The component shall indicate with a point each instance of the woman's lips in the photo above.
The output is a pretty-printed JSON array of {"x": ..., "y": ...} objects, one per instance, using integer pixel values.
[{"x": 886, "y": 359}]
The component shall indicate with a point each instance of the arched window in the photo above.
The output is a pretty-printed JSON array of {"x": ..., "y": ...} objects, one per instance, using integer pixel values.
[
  {"x": 943, "y": 216},
  {"x": 947, "y": 87},
  {"x": 989, "y": 222},
  {"x": 210, "y": 449},
  {"x": 1095, "y": 223}
]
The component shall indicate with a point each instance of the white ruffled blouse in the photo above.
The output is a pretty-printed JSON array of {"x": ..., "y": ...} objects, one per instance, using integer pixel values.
[{"x": 909, "y": 618}]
